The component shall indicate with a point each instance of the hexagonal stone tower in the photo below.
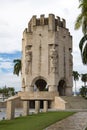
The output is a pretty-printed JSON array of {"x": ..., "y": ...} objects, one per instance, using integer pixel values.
[
  {"x": 46, "y": 56},
  {"x": 46, "y": 66}
]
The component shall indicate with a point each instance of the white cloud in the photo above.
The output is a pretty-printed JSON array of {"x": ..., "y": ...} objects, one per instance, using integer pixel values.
[
  {"x": 10, "y": 80},
  {"x": 6, "y": 65}
]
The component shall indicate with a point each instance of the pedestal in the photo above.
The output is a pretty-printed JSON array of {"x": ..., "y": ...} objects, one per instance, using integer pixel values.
[
  {"x": 25, "y": 108},
  {"x": 37, "y": 106},
  {"x": 10, "y": 109},
  {"x": 45, "y": 106}
]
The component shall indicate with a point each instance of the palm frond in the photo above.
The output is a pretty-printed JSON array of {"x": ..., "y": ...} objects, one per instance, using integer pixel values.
[
  {"x": 17, "y": 66},
  {"x": 78, "y": 22},
  {"x": 84, "y": 55},
  {"x": 82, "y": 41},
  {"x": 84, "y": 25}
]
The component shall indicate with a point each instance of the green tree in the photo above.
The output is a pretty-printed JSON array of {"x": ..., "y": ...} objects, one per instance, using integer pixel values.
[
  {"x": 84, "y": 78},
  {"x": 76, "y": 76},
  {"x": 81, "y": 21},
  {"x": 7, "y": 92},
  {"x": 83, "y": 91},
  {"x": 17, "y": 66}
]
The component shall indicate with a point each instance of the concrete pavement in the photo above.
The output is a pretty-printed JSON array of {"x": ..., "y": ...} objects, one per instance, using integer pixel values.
[{"x": 78, "y": 121}]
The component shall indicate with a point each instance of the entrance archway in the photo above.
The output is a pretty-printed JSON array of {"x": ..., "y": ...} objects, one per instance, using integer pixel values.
[
  {"x": 61, "y": 87},
  {"x": 41, "y": 84}
]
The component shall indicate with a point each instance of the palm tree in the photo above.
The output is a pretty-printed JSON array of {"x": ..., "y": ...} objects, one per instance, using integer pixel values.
[
  {"x": 83, "y": 91},
  {"x": 81, "y": 21},
  {"x": 83, "y": 49},
  {"x": 76, "y": 76},
  {"x": 84, "y": 78},
  {"x": 17, "y": 66}
]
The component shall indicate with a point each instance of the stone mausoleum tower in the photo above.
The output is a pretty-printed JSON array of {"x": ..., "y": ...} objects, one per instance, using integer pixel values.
[
  {"x": 46, "y": 66},
  {"x": 46, "y": 56}
]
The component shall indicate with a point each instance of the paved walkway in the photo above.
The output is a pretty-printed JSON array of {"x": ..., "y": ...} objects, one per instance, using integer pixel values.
[{"x": 77, "y": 121}]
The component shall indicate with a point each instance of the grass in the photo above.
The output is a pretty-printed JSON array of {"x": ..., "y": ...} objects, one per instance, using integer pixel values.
[{"x": 34, "y": 122}]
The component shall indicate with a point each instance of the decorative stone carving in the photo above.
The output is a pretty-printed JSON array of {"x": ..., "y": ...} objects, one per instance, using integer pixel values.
[
  {"x": 28, "y": 59},
  {"x": 53, "y": 58},
  {"x": 23, "y": 83}
]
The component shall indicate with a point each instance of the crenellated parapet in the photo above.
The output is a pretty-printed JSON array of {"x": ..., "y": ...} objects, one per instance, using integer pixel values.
[{"x": 52, "y": 22}]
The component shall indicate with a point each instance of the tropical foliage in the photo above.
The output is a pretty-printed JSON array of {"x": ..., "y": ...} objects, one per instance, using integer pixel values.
[
  {"x": 17, "y": 66},
  {"x": 84, "y": 78},
  {"x": 7, "y": 91},
  {"x": 76, "y": 76},
  {"x": 81, "y": 21},
  {"x": 83, "y": 91},
  {"x": 83, "y": 49}
]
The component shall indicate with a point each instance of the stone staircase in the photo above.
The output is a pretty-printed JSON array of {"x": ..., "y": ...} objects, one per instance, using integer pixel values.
[{"x": 75, "y": 102}]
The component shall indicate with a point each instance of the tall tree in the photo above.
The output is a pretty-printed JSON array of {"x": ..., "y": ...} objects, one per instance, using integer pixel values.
[
  {"x": 76, "y": 76},
  {"x": 17, "y": 66},
  {"x": 84, "y": 78},
  {"x": 81, "y": 21}
]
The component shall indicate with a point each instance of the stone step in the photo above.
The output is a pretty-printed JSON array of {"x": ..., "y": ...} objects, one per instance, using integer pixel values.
[{"x": 75, "y": 102}]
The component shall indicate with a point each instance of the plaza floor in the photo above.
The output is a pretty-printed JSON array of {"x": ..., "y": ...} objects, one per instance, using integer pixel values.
[{"x": 78, "y": 121}]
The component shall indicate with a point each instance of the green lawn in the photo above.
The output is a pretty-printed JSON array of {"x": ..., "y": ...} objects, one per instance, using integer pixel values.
[{"x": 33, "y": 122}]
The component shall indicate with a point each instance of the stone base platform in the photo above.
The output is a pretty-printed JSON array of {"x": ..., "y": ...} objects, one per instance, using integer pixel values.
[{"x": 38, "y": 95}]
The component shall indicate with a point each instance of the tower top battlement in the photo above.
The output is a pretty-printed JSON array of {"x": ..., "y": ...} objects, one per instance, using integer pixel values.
[{"x": 52, "y": 22}]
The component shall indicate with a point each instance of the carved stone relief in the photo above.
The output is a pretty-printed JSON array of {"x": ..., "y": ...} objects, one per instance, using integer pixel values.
[
  {"x": 28, "y": 59},
  {"x": 23, "y": 83},
  {"x": 53, "y": 58}
]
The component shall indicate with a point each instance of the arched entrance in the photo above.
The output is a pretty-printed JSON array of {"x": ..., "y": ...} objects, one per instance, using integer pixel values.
[
  {"x": 61, "y": 87},
  {"x": 41, "y": 84}
]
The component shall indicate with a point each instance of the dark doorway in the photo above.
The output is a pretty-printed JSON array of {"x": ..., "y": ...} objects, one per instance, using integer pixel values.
[
  {"x": 32, "y": 104},
  {"x": 61, "y": 88},
  {"x": 41, "y": 84}
]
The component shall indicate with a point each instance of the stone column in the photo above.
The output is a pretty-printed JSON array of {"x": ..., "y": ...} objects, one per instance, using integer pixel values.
[
  {"x": 45, "y": 106},
  {"x": 37, "y": 106},
  {"x": 25, "y": 108},
  {"x": 52, "y": 88},
  {"x": 51, "y": 22},
  {"x": 10, "y": 109}
]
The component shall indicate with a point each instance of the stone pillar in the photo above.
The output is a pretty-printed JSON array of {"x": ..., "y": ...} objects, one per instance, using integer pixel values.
[
  {"x": 51, "y": 22},
  {"x": 64, "y": 23},
  {"x": 34, "y": 20},
  {"x": 25, "y": 108},
  {"x": 37, "y": 106},
  {"x": 45, "y": 106},
  {"x": 10, "y": 109},
  {"x": 23, "y": 89},
  {"x": 42, "y": 19},
  {"x": 29, "y": 88},
  {"x": 52, "y": 88}
]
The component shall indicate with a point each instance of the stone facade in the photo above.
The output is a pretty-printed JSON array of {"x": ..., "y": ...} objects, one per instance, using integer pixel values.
[
  {"x": 46, "y": 65},
  {"x": 47, "y": 58}
]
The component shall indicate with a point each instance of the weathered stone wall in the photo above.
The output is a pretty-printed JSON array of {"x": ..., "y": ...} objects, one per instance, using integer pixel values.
[{"x": 47, "y": 48}]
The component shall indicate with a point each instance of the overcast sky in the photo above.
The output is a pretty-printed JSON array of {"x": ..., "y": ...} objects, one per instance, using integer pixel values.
[{"x": 14, "y": 18}]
